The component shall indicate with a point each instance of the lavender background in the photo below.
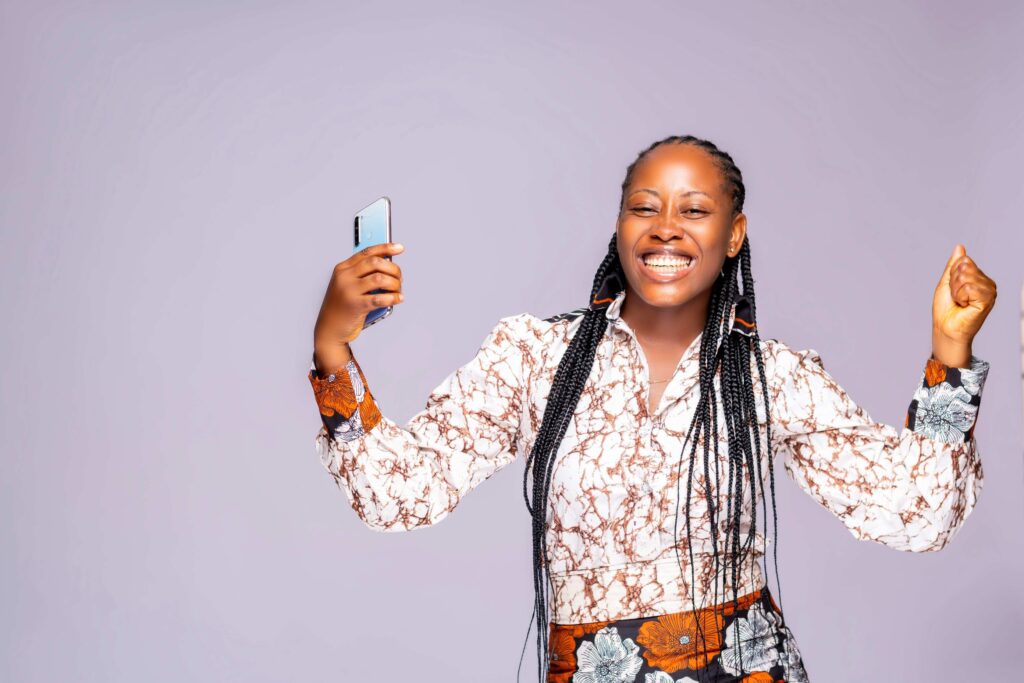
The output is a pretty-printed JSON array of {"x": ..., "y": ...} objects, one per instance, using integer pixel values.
[{"x": 177, "y": 183}]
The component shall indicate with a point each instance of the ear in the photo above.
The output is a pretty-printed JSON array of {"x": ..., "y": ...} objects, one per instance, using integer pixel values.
[{"x": 738, "y": 234}]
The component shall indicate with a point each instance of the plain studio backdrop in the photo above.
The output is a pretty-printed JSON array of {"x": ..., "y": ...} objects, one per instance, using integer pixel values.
[{"x": 178, "y": 180}]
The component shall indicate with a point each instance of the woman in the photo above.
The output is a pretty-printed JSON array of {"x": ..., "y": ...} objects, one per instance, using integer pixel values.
[{"x": 651, "y": 418}]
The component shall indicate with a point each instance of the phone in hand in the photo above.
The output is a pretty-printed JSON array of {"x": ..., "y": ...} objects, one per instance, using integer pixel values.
[{"x": 372, "y": 225}]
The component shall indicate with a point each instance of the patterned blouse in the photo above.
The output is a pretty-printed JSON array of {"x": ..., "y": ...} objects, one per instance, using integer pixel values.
[{"x": 613, "y": 507}]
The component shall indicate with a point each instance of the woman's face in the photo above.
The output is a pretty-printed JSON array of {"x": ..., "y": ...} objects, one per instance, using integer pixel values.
[{"x": 676, "y": 227}]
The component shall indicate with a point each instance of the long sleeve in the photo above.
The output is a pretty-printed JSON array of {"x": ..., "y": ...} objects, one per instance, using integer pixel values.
[
  {"x": 910, "y": 488},
  {"x": 402, "y": 477}
]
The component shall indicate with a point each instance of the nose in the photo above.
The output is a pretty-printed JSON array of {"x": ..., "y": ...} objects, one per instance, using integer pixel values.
[{"x": 668, "y": 229}]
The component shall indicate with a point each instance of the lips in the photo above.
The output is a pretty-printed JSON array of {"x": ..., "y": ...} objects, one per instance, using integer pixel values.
[{"x": 667, "y": 251}]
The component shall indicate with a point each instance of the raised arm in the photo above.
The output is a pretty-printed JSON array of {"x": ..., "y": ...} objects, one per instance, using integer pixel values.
[
  {"x": 402, "y": 477},
  {"x": 910, "y": 488}
]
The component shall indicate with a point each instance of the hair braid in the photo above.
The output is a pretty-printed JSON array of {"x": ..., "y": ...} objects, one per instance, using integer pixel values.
[{"x": 722, "y": 354}]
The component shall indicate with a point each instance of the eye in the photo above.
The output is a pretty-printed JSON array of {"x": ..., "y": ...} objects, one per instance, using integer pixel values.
[
  {"x": 695, "y": 211},
  {"x": 644, "y": 208}
]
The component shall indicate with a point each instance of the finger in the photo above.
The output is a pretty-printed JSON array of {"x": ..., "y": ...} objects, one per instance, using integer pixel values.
[
  {"x": 961, "y": 274},
  {"x": 964, "y": 273},
  {"x": 967, "y": 292},
  {"x": 382, "y": 249},
  {"x": 958, "y": 251},
  {"x": 970, "y": 272},
  {"x": 378, "y": 280},
  {"x": 373, "y": 264},
  {"x": 372, "y": 301},
  {"x": 965, "y": 265}
]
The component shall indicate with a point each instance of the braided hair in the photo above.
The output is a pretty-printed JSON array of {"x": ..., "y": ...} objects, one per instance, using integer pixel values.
[{"x": 730, "y": 360}]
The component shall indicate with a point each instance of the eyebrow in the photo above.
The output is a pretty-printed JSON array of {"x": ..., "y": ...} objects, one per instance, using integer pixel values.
[{"x": 655, "y": 193}]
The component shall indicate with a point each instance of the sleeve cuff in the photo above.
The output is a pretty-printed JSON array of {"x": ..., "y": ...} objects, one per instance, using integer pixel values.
[
  {"x": 946, "y": 402},
  {"x": 347, "y": 408}
]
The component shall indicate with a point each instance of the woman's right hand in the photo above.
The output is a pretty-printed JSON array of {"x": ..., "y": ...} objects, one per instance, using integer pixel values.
[{"x": 348, "y": 300}]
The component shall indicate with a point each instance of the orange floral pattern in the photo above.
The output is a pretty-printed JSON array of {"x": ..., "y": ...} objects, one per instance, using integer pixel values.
[
  {"x": 672, "y": 640},
  {"x": 934, "y": 372},
  {"x": 562, "y": 645},
  {"x": 667, "y": 648},
  {"x": 346, "y": 405}
]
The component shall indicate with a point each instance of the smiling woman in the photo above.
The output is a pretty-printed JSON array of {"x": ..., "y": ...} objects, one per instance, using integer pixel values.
[{"x": 651, "y": 418}]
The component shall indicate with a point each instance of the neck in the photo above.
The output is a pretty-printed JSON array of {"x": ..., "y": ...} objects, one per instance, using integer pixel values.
[{"x": 666, "y": 325}]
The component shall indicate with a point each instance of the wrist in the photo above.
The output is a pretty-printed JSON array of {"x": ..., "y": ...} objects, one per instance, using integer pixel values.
[
  {"x": 952, "y": 353},
  {"x": 332, "y": 360}
]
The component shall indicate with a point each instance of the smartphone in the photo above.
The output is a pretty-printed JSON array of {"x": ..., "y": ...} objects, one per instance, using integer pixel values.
[{"x": 372, "y": 225}]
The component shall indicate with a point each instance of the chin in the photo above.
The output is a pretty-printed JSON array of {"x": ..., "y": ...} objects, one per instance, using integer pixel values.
[{"x": 664, "y": 296}]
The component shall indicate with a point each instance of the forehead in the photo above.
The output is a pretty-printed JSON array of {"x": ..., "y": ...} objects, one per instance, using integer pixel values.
[{"x": 675, "y": 166}]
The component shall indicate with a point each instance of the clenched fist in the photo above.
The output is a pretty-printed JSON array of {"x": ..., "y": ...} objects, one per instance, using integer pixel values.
[
  {"x": 963, "y": 299},
  {"x": 348, "y": 300}
]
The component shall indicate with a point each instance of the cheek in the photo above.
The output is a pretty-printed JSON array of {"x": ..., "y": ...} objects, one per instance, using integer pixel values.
[{"x": 624, "y": 244}]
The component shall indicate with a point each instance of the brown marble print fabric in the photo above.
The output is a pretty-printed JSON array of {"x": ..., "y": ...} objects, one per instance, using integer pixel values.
[{"x": 614, "y": 501}]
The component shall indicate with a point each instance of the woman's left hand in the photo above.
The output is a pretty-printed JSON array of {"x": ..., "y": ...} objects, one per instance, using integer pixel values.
[{"x": 963, "y": 299}]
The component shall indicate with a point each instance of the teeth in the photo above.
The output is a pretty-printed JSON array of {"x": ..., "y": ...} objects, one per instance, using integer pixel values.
[{"x": 667, "y": 261}]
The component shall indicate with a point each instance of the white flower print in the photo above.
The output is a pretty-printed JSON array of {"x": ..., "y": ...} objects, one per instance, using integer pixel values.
[
  {"x": 791, "y": 658},
  {"x": 795, "y": 672},
  {"x": 753, "y": 639},
  {"x": 972, "y": 381},
  {"x": 662, "y": 677},
  {"x": 946, "y": 414},
  {"x": 609, "y": 659}
]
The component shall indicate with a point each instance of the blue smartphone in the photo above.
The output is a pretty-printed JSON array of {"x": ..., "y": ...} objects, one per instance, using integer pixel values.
[{"x": 373, "y": 226}]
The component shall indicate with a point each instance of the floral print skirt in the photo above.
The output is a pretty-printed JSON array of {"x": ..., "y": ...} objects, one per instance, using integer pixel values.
[{"x": 743, "y": 643}]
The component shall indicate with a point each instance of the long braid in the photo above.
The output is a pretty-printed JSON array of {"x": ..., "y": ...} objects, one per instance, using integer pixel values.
[
  {"x": 723, "y": 353},
  {"x": 566, "y": 388}
]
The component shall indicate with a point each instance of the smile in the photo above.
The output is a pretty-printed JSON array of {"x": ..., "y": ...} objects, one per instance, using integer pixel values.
[{"x": 666, "y": 268}]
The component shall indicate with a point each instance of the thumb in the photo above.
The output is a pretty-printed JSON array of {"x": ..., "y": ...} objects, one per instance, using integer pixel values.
[{"x": 958, "y": 251}]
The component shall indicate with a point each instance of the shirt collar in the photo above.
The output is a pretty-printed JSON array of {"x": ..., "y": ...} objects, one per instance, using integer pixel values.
[{"x": 687, "y": 371}]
